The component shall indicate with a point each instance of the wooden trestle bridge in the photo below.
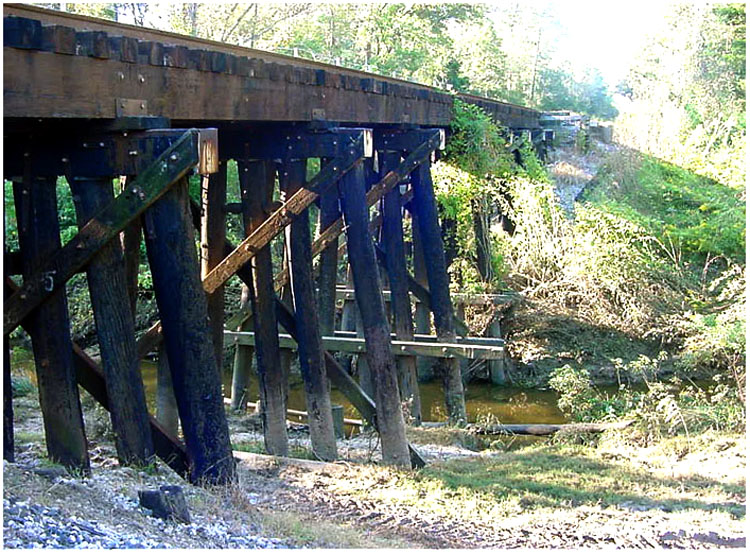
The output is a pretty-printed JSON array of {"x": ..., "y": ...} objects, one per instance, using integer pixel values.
[{"x": 92, "y": 100}]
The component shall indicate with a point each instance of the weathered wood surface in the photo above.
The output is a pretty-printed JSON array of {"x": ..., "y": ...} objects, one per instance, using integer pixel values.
[
  {"x": 257, "y": 85},
  {"x": 213, "y": 234},
  {"x": 505, "y": 299},
  {"x": 328, "y": 261},
  {"x": 61, "y": 264},
  {"x": 8, "y": 436},
  {"x": 356, "y": 345},
  {"x": 182, "y": 306},
  {"x": 257, "y": 180},
  {"x": 91, "y": 377},
  {"x": 398, "y": 277},
  {"x": 310, "y": 347},
  {"x": 111, "y": 304},
  {"x": 380, "y": 360},
  {"x": 425, "y": 206},
  {"x": 243, "y": 356},
  {"x": 48, "y": 325},
  {"x": 166, "y": 403},
  {"x": 295, "y": 204},
  {"x": 544, "y": 429},
  {"x": 343, "y": 381}
]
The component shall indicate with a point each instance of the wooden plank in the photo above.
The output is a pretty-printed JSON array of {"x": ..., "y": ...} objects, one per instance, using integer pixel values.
[
  {"x": 62, "y": 264},
  {"x": 296, "y": 203},
  {"x": 130, "y": 240},
  {"x": 257, "y": 180},
  {"x": 115, "y": 328},
  {"x": 49, "y": 327},
  {"x": 358, "y": 345},
  {"x": 182, "y": 306},
  {"x": 311, "y": 358},
  {"x": 213, "y": 234},
  {"x": 457, "y": 298}
]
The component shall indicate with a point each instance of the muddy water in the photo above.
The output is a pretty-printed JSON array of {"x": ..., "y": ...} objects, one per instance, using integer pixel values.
[{"x": 508, "y": 404}]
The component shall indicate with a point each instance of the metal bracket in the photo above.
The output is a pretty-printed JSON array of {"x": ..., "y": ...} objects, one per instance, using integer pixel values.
[{"x": 130, "y": 107}]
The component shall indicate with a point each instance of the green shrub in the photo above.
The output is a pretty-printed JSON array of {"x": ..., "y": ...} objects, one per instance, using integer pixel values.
[{"x": 21, "y": 386}]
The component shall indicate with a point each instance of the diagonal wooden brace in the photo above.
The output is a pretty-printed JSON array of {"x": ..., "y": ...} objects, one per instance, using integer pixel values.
[
  {"x": 378, "y": 191},
  {"x": 292, "y": 207},
  {"x": 91, "y": 377},
  {"x": 102, "y": 228}
]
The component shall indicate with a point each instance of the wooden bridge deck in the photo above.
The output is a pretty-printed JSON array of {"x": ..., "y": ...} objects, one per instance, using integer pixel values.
[{"x": 59, "y": 65}]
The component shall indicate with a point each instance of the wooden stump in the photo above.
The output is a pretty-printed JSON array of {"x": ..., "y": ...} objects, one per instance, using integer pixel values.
[
  {"x": 116, "y": 331},
  {"x": 310, "y": 346},
  {"x": 369, "y": 297},
  {"x": 184, "y": 316},
  {"x": 49, "y": 327}
]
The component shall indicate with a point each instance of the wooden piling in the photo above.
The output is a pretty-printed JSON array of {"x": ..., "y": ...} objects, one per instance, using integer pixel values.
[
  {"x": 312, "y": 362},
  {"x": 243, "y": 359},
  {"x": 184, "y": 316},
  {"x": 49, "y": 327},
  {"x": 130, "y": 239},
  {"x": 115, "y": 330},
  {"x": 425, "y": 207},
  {"x": 166, "y": 404},
  {"x": 257, "y": 179},
  {"x": 8, "y": 437},
  {"x": 422, "y": 324},
  {"x": 393, "y": 244},
  {"x": 328, "y": 214},
  {"x": 213, "y": 233},
  {"x": 369, "y": 297}
]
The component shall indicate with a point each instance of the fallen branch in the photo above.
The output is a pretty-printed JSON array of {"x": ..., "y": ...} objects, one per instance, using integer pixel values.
[{"x": 543, "y": 429}]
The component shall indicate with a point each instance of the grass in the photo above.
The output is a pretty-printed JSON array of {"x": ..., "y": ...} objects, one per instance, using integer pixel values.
[
  {"x": 546, "y": 478},
  {"x": 681, "y": 208}
]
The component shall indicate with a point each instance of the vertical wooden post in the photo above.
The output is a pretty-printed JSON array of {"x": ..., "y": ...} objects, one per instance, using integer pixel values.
[
  {"x": 497, "y": 368},
  {"x": 166, "y": 404},
  {"x": 349, "y": 311},
  {"x": 329, "y": 212},
  {"x": 130, "y": 239},
  {"x": 243, "y": 360},
  {"x": 116, "y": 330},
  {"x": 434, "y": 257},
  {"x": 422, "y": 309},
  {"x": 369, "y": 298},
  {"x": 257, "y": 180},
  {"x": 309, "y": 344},
  {"x": 393, "y": 244},
  {"x": 8, "y": 442},
  {"x": 213, "y": 234},
  {"x": 184, "y": 315},
  {"x": 49, "y": 327}
]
